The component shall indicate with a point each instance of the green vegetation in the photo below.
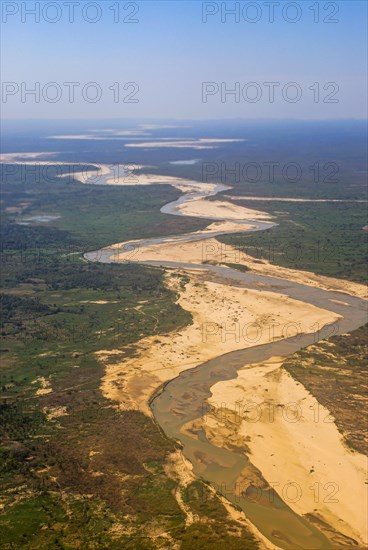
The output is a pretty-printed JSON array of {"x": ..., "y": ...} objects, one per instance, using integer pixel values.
[
  {"x": 91, "y": 216},
  {"x": 215, "y": 534},
  {"x": 305, "y": 188},
  {"x": 325, "y": 238},
  {"x": 335, "y": 372}
]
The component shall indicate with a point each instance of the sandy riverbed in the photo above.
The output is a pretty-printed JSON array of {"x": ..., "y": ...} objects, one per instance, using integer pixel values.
[
  {"x": 221, "y": 209},
  {"x": 294, "y": 442},
  {"x": 212, "y": 251},
  {"x": 224, "y": 319}
]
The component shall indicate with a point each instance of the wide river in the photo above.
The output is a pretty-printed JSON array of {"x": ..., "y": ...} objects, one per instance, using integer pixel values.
[{"x": 182, "y": 399}]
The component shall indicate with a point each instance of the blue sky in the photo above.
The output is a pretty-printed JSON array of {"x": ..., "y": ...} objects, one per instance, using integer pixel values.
[{"x": 171, "y": 52}]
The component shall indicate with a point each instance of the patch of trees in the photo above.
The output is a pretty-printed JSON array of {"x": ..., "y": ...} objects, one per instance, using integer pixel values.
[
  {"x": 28, "y": 237},
  {"x": 12, "y": 306}
]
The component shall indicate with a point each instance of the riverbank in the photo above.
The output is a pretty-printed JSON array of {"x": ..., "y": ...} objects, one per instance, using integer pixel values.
[
  {"x": 210, "y": 250},
  {"x": 294, "y": 442}
]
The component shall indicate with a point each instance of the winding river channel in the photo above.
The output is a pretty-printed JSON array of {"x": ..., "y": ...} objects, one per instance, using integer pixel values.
[{"x": 181, "y": 400}]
